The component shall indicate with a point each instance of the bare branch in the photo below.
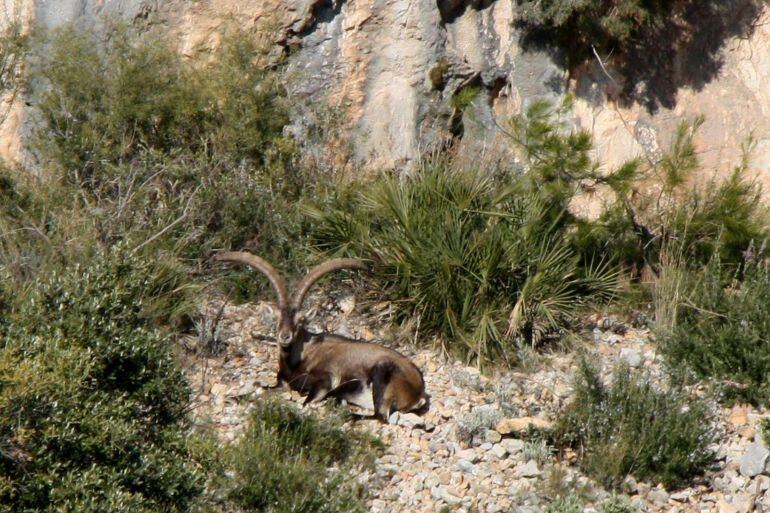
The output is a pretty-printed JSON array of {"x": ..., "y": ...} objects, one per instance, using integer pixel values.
[{"x": 170, "y": 225}]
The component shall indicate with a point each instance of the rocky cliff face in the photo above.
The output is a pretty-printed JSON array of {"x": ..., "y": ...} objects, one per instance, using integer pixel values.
[{"x": 393, "y": 67}]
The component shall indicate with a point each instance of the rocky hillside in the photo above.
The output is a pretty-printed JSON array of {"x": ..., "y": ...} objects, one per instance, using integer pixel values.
[
  {"x": 473, "y": 450},
  {"x": 393, "y": 67},
  {"x": 143, "y": 153}
]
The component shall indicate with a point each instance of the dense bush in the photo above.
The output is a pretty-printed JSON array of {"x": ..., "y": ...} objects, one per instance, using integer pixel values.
[
  {"x": 288, "y": 462},
  {"x": 92, "y": 403},
  {"x": 107, "y": 97},
  {"x": 722, "y": 329},
  {"x": 143, "y": 148},
  {"x": 584, "y": 24},
  {"x": 472, "y": 255},
  {"x": 630, "y": 427}
]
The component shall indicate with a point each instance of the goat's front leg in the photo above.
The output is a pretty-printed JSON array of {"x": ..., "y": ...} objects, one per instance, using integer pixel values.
[{"x": 318, "y": 387}]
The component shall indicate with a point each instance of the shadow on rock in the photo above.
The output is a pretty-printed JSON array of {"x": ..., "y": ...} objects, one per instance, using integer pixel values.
[{"x": 680, "y": 48}]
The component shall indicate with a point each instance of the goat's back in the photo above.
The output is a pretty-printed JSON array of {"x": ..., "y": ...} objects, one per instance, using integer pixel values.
[{"x": 347, "y": 359}]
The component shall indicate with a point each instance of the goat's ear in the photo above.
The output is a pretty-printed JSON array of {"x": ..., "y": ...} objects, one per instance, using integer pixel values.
[{"x": 299, "y": 319}]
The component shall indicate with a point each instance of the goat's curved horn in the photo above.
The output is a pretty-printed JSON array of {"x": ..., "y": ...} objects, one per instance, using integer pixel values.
[
  {"x": 261, "y": 265},
  {"x": 317, "y": 272}
]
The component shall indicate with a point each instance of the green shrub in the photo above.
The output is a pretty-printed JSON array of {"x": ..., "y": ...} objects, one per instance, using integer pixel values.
[
  {"x": 289, "y": 462},
  {"x": 766, "y": 431},
  {"x": 591, "y": 23},
  {"x": 557, "y": 156},
  {"x": 725, "y": 220},
  {"x": 102, "y": 98},
  {"x": 720, "y": 219},
  {"x": 618, "y": 504},
  {"x": 722, "y": 329},
  {"x": 108, "y": 97},
  {"x": 464, "y": 252},
  {"x": 15, "y": 202},
  {"x": 191, "y": 206},
  {"x": 92, "y": 403},
  {"x": 567, "y": 504},
  {"x": 630, "y": 427},
  {"x": 118, "y": 289},
  {"x": 146, "y": 149},
  {"x": 247, "y": 104},
  {"x": 656, "y": 212}
]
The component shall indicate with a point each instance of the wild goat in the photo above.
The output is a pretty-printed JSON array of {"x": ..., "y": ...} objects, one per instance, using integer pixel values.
[{"x": 322, "y": 365}]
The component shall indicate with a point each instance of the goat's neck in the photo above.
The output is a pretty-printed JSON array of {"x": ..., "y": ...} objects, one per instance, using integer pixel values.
[{"x": 291, "y": 358}]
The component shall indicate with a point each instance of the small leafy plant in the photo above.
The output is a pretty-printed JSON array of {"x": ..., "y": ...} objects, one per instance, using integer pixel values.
[
  {"x": 618, "y": 504},
  {"x": 289, "y": 462},
  {"x": 566, "y": 504},
  {"x": 630, "y": 427},
  {"x": 474, "y": 425},
  {"x": 722, "y": 329}
]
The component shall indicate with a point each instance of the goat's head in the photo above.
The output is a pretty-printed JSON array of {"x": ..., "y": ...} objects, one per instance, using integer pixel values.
[
  {"x": 291, "y": 323},
  {"x": 290, "y": 326}
]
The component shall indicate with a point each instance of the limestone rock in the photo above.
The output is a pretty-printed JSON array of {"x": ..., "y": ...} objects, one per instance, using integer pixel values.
[
  {"x": 739, "y": 416},
  {"x": 409, "y": 420},
  {"x": 529, "y": 469},
  {"x": 499, "y": 451},
  {"x": 658, "y": 496},
  {"x": 521, "y": 424},
  {"x": 469, "y": 455},
  {"x": 754, "y": 460},
  {"x": 493, "y": 436},
  {"x": 725, "y": 507},
  {"x": 631, "y": 356},
  {"x": 466, "y": 466}
]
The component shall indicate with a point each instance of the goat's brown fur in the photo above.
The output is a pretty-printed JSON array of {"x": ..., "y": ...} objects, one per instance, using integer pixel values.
[{"x": 326, "y": 365}]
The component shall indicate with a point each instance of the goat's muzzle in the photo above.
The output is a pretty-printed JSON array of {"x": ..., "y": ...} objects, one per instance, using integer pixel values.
[{"x": 285, "y": 340}]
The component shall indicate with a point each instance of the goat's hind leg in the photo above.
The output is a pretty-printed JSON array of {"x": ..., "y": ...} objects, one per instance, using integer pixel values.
[{"x": 381, "y": 376}]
